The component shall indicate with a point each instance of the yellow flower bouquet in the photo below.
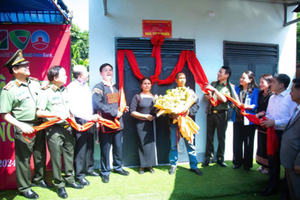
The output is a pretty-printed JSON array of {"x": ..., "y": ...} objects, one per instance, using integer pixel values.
[{"x": 177, "y": 101}]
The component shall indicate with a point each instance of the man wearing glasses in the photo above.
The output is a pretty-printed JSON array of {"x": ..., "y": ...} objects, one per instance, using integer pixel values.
[
  {"x": 18, "y": 107},
  {"x": 106, "y": 102}
]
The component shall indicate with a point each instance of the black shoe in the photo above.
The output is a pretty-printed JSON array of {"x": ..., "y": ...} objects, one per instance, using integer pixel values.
[
  {"x": 105, "y": 178},
  {"x": 246, "y": 168},
  {"x": 122, "y": 172},
  {"x": 62, "y": 193},
  {"x": 30, "y": 194},
  {"x": 42, "y": 184},
  {"x": 92, "y": 174},
  {"x": 236, "y": 166},
  {"x": 268, "y": 192},
  {"x": 83, "y": 181},
  {"x": 75, "y": 185},
  {"x": 285, "y": 196},
  {"x": 221, "y": 163},
  {"x": 197, "y": 171},
  {"x": 205, "y": 163},
  {"x": 172, "y": 169}
]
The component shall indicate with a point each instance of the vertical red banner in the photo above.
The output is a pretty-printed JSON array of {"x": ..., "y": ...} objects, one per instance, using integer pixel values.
[{"x": 43, "y": 46}]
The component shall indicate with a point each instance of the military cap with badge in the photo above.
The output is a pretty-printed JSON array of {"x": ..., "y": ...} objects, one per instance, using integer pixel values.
[{"x": 16, "y": 60}]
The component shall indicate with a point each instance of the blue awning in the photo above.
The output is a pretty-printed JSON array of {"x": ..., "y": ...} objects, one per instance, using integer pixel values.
[{"x": 33, "y": 11}]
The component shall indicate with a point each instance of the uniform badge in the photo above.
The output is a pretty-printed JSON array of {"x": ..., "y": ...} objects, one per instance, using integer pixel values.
[{"x": 21, "y": 96}]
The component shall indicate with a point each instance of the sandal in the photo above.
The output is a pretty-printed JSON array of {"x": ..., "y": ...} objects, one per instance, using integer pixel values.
[
  {"x": 261, "y": 168},
  {"x": 265, "y": 171},
  {"x": 151, "y": 170},
  {"x": 141, "y": 171}
]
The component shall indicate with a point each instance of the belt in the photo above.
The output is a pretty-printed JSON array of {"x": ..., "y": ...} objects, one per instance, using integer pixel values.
[
  {"x": 218, "y": 111},
  {"x": 279, "y": 131},
  {"x": 62, "y": 125},
  {"x": 32, "y": 121}
]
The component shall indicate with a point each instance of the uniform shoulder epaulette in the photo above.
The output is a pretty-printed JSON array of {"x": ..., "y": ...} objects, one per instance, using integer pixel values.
[
  {"x": 45, "y": 87},
  {"x": 9, "y": 85},
  {"x": 34, "y": 79}
]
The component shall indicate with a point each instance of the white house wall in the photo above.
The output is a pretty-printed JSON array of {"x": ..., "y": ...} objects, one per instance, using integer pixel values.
[{"x": 234, "y": 20}]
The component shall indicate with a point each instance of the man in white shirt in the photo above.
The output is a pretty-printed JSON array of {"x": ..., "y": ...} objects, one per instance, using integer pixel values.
[
  {"x": 279, "y": 111},
  {"x": 81, "y": 108}
]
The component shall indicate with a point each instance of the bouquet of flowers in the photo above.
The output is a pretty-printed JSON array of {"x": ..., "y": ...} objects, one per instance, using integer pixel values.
[{"x": 176, "y": 101}]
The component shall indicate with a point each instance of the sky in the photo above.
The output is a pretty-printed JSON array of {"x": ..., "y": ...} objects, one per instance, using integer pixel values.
[{"x": 80, "y": 10}]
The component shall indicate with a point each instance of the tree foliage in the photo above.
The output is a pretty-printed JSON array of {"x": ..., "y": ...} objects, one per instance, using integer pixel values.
[{"x": 79, "y": 47}]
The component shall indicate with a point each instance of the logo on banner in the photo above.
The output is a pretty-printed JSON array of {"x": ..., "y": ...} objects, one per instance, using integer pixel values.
[
  {"x": 3, "y": 39},
  {"x": 2, "y": 81},
  {"x": 40, "y": 40},
  {"x": 20, "y": 38}
]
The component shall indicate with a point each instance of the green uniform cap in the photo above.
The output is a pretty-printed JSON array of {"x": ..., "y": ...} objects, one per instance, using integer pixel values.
[{"x": 16, "y": 59}]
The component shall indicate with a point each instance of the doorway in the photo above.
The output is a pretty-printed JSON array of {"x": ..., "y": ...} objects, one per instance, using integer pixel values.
[{"x": 142, "y": 49}]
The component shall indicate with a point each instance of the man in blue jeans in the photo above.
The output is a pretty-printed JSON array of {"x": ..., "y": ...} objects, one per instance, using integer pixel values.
[{"x": 173, "y": 156}]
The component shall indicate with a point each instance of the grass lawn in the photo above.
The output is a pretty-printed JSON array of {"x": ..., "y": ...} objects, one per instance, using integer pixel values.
[{"x": 217, "y": 183}]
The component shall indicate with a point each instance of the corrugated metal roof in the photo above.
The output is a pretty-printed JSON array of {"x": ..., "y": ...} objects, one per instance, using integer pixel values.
[{"x": 33, "y": 11}]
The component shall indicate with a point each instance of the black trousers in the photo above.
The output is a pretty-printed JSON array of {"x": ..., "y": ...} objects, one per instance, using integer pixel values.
[
  {"x": 293, "y": 181},
  {"x": 84, "y": 150},
  {"x": 274, "y": 164},
  {"x": 215, "y": 121},
  {"x": 243, "y": 136},
  {"x": 108, "y": 140}
]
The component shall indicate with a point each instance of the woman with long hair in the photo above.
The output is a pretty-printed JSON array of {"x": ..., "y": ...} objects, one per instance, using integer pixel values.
[
  {"x": 142, "y": 109},
  {"x": 243, "y": 130},
  {"x": 263, "y": 99}
]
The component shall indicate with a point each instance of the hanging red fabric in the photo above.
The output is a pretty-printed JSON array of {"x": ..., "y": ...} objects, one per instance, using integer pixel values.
[
  {"x": 178, "y": 68},
  {"x": 199, "y": 74},
  {"x": 185, "y": 56},
  {"x": 157, "y": 41},
  {"x": 122, "y": 99}
]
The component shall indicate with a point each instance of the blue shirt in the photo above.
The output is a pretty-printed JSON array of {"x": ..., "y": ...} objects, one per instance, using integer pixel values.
[{"x": 251, "y": 99}]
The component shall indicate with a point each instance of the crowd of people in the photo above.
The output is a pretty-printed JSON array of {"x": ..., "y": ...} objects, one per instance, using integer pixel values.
[{"x": 25, "y": 104}]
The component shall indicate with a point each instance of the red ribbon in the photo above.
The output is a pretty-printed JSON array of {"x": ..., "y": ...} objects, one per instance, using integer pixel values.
[
  {"x": 272, "y": 140},
  {"x": 113, "y": 125},
  {"x": 157, "y": 41},
  {"x": 185, "y": 56}
]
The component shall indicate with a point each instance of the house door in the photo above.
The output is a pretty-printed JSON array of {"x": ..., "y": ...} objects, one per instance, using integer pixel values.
[{"x": 142, "y": 49}]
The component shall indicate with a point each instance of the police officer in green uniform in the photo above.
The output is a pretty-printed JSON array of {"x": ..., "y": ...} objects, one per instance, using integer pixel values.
[
  {"x": 217, "y": 116},
  {"x": 53, "y": 102},
  {"x": 18, "y": 107}
]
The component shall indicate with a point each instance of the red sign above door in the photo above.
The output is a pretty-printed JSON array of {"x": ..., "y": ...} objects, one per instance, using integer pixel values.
[{"x": 153, "y": 27}]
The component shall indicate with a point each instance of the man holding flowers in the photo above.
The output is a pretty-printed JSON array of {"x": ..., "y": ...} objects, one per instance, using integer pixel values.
[{"x": 189, "y": 108}]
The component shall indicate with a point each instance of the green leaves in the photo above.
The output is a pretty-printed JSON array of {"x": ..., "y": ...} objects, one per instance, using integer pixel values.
[{"x": 79, "y": 46}]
